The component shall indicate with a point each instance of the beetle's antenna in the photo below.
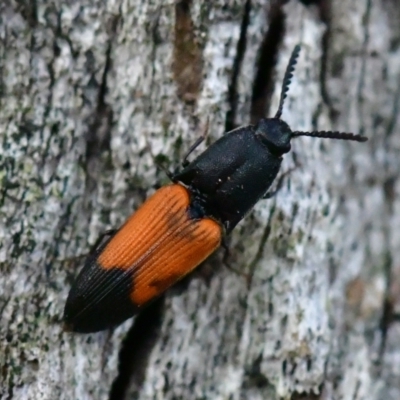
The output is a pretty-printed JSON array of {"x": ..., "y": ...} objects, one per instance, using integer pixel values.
[
  {"x": 288, "y": 78},
  {"x": 331, "y": 135}
]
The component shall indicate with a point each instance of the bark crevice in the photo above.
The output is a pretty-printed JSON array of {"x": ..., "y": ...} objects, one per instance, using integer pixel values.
[
  {"x": 135, "y": 351},
  {"x": 263, "y": 82},
  {"x": 230, "y": 122}
]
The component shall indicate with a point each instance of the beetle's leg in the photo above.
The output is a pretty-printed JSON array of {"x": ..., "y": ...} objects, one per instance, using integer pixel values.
[
  {"x": 93, "y": 248},
  {"x": 109, "y": 232},
  {"x": 169, "y": 174},
  {"x": 224, "y": 244},
  {"x": 196, "y": 144},
  {"x": 193, "y": 147},
  {"x": 158, "y": 164},
  {"x": 278, "y": 187}
]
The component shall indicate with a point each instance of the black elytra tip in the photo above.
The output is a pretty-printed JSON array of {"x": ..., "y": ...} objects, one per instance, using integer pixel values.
[{"x": 99, "y": 299}]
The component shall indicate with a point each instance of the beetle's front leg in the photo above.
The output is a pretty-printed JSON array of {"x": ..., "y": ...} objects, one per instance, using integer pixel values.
[{"x": 109, "y": 232}]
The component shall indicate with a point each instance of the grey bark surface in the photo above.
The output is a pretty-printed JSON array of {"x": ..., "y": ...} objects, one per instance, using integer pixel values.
[{"x": 92, "y": 92}]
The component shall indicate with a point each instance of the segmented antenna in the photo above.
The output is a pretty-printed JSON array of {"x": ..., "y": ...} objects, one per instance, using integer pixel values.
[
  {"x": 331, "y": 135},
  {"x": 288, "y": 78}
]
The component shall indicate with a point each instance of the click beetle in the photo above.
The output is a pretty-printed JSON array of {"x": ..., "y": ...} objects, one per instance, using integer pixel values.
[{"x": 181, "y": 224}]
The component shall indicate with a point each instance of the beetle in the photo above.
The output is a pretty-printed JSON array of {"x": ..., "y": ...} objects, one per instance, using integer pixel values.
[{"x": 181, "y": 224}]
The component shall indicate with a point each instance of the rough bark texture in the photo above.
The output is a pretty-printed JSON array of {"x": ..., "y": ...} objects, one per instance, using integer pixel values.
[{"x": 92, "y": 92}]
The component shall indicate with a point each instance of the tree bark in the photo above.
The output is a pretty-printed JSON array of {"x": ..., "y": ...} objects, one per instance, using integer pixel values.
[{"x": 94, "y": 93}]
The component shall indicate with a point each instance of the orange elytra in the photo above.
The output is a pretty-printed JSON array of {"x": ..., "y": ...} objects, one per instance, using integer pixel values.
[{"x": 157, "y": 246}]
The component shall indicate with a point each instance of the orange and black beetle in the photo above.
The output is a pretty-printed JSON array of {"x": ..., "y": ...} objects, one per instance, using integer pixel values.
[{"x": 183, "y": 223}]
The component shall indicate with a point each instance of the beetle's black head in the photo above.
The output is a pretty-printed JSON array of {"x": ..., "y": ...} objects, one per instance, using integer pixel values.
[{"x": 275, "y": 134}]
